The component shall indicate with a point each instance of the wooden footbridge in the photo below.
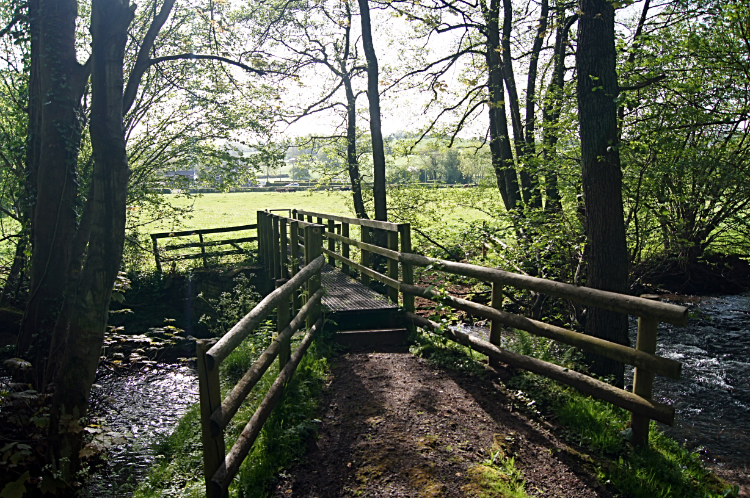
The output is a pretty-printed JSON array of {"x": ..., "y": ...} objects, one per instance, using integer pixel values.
[{"x": 324, "y": 265}]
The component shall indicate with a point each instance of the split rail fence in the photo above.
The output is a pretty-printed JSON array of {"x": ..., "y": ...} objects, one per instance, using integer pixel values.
[
  {"x": 216, "y": 414},
  {"x": 201, "y": 243},
  {"x": 273, "y": 243}
]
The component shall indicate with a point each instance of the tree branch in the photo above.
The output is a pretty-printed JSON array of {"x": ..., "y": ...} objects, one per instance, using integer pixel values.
[
  {"x": 142, "y": 61},
  {"x": 151, "y": 62},
  {"x": 643, "y": 84}
]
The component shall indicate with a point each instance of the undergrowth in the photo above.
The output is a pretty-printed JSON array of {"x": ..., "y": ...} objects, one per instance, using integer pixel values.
[
  {"x": 664, "y": 469},
  {"x": 178, "y": 470}
]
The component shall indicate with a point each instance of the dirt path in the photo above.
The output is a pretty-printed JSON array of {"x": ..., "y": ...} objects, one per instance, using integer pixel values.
[{"x": 393, "y": 425}]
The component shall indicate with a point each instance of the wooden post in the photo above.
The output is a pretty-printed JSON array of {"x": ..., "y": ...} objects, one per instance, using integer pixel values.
[
  {"x": 496, "y": 328},
  {"x": 155, "y": 242},
  {"x": 365, "y": 255},
  {"x": 313, "y": 249},
  {"x": 294, "y": 242},
  {"x": 345, "y": 247},
  {"x": 407, "y": 270},
  {"x": 282, "y": 320},
  {"x": 393, "y": 265},
  {"x": 309, "y": 219},
  {"x": 259, "y": 231},
  {"x": 275, "y": 248},
  {"x": 209, "y": 392},
  {"x": 643, "y": 380},
  {"x": 203, "y": 251},
  {"x": 283, "y": 248},
  {"x": 269, "y": 244},
  {"x": 331, "y": 242}
]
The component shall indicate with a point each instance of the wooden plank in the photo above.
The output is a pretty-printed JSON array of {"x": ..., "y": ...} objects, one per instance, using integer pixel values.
[
  {"x": 382, "y": 225},
  {"x": 313, "y": 252},
  {"x": 393, "y": 265},
  {"x": 366, "y": 271},
  {"x": 204, "y": 231},
  {"x": 407, "y": 270},
  {"x": 643, "y": 380},
  {"x": 155, "y": 244},
  {"x": 231, "y": 464},
  {"x": 275, "y": 248},
  {"x": 221, "y": 417},
  {"x": 584, "y": 383},
  {"x": 203, "y": 251},
  {"x": 283, "y": 248},
  {"x": 394, "y": 255},
  {"x": 496, "y": 327},
  {"x": 331, "y": 241},
  {"x": 663, "y": 312},
  {"x": 662, "y": 366},
  {"x": 210, "y": 243},
  {"x": 345, "y": 246},
  {"x": 241, "y": 329},
  {"x": 199, "y": 255},
  {"x": 209, "y": 395},
  {"x": 365, "y": 255}
]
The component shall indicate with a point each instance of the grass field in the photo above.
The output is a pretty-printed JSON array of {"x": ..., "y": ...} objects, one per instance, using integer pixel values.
[{"x": 217, "y": 210}]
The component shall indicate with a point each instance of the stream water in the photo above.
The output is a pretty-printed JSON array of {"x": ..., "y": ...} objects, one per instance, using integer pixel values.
[
  {"x": 712, "y": 399},
  {"x": 145, "y": 404}
]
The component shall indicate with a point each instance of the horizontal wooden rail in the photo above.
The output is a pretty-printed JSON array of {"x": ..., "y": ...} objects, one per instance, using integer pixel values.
[
  {"x": 395, "y": 284},
  {"x": 663, "y": 312},
  {"x": 657, "y": 364},
  {"x": 210, "y": 243},
  {"x": 237, "y": 334},
  {"x": 231, "y": 464},
  {"x": 393, "y": 255},
  {"x": 204, "y": 231},
  {"x": 584, "y": 383},
  {"x": 223, "y": 415},
  {"x": 381, "y": 225},
  {"x": 200, "y": 255}
]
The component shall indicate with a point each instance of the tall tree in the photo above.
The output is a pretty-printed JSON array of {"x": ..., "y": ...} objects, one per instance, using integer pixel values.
[
  {"x": 373, "y": 97},
  {"x": 606, "y": 250}
]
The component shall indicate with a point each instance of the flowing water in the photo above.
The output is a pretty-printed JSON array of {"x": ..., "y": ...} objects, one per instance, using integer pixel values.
[
  {"x": 145, "y": 405},
  {"x": 712, "y": 399}
]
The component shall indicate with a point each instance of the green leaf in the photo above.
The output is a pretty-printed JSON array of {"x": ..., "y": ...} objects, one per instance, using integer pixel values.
[{"x": 15, "y": 489}]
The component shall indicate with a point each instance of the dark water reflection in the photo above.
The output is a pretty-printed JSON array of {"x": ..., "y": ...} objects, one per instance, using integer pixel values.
[{"x": 145, "y": 404}]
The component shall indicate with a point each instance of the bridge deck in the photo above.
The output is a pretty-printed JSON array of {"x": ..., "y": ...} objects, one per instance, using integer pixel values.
[{"x": 344, "y": 293}]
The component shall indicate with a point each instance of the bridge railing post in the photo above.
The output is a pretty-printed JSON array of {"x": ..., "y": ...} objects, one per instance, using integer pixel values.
[
  {"x": 283, "y": 248},
  {"x": 407, "y": 270},
  {"x": 496, "y": 328},
  {"x": 282, "y": 321},
  {"x": 643, "y": 380},
  {"x": 366, "y": 237},
  {"x": 313, "y": 249},
  {"x": 345, "y": 248},
  {"x": 294, "y": 267},
  {"x": 210, "y": 399},
  {"x": 259, "y": 230},
  {"x": 275, "y": 247},
  {"x": 392, "y": 241},
  {"x": 331, "y": 242}
]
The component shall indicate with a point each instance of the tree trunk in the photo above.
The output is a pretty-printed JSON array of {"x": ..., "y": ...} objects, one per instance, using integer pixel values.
[
  {"x": 606, "y": 251},
  {"x": 90, "y": 305},
  {"x": 502, "y": 155},
  {"x": 351, "y": 126},
  {"x": 552, "y": 106},
  {"x": 61, "y": 80},
  {"x": 529, "y": 150},
  {"x": 373, "y": 96},
  {"x": 528, "y": 187}
]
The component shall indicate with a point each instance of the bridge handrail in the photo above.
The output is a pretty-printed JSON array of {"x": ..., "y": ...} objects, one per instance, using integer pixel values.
[
  {"x": 200, "y": 232},
  {"x": 219, "y": 470},
  {"x": 650, "y": 313},
  {"x": 380, "y": 225}
]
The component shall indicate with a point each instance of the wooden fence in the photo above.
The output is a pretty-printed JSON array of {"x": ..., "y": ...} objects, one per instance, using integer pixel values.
[
  {"x": 220, "y": 469},
  {"x": 273, "y": 242},
  {"x": 202, "y": 244}
]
